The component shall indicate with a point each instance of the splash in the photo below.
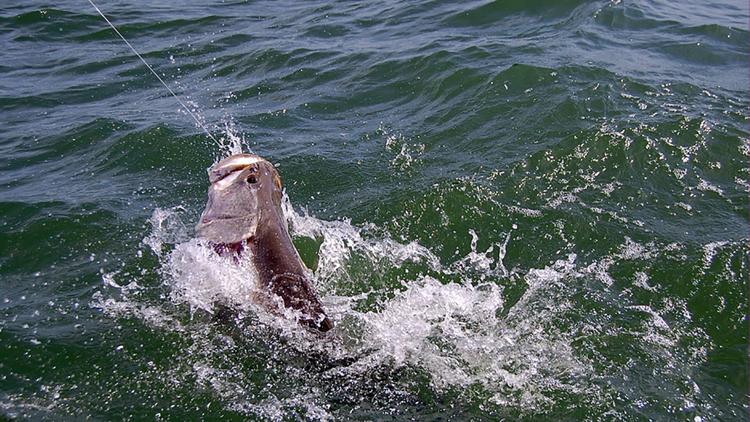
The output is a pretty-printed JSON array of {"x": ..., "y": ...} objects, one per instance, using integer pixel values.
[
  {"x": 202, "y": 279},
  {"x": 341, "y": 240},
  {"x": 454, "y": 322},
  {"x": 482, "y": 263},
  {"x": 233, "y": 140},
  {"x": 454, "y": 332},
  {"x": 405, "y": 154}
]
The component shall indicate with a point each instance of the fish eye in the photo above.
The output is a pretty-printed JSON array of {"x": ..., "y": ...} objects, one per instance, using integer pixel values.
[{"x": 252, "y": 178}]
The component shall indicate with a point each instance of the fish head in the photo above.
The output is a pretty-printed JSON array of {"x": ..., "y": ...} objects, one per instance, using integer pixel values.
[{"x": 243, "y": 188}]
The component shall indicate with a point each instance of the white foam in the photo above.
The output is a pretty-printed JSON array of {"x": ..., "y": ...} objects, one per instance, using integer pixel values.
[
  {"x": 151, "y": 315},
  {"x": 481, "y": 264},
  {"x": 341, "y": 239},
  {"x": 452, "y": 331},
  {"x": 167, "y": 228},
  {"x": 707, "y": 186},
  {"x": 408, "y": 153},
  {"x": 452, "y": 322},
  {"x": 233, "y": 141},
  {"x": 632, "y": 250},
  {"x": 202, "y": 279},
  {"x": 709, "y": 252}
]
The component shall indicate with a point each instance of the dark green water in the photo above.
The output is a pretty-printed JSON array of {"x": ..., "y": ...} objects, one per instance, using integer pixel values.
[{"x": 514, "y": 210}]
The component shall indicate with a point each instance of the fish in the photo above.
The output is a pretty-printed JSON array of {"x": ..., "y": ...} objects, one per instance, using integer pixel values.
[{"x": 243, "y": 218}]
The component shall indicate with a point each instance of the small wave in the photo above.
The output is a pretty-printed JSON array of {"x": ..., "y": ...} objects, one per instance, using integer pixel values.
[{"x": 492, "y": 13}]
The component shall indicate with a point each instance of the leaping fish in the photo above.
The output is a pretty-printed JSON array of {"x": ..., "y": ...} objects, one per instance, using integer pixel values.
[{"x": 244, "y": 212}]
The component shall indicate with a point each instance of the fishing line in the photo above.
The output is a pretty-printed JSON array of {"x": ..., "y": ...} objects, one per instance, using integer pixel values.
[{"x": 197, "y": 120}]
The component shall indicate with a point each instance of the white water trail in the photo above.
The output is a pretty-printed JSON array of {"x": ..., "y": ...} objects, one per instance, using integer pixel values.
[
  {"x": 454, "y": 322},
  {"x": 452, "y": 331}
]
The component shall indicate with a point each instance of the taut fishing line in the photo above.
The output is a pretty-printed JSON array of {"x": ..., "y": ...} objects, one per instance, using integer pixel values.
[{"x": 197, "y": 120}]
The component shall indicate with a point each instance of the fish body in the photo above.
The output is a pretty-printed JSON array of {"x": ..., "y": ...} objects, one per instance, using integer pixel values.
[{"x": 243, "y": 211}]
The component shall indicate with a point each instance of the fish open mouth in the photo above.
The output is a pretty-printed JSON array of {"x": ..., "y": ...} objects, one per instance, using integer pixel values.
[
  {"x": 234, "y": 199},
  {"x": 218, "y": 218},
  {"x": 232, "y": 164},
  {"x": 244, "y": 210}
]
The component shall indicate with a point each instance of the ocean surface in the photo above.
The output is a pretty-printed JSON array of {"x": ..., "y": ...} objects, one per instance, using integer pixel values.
[{"x": 518, "y": 210}]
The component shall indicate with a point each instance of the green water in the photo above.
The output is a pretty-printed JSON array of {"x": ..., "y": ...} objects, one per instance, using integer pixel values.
[{"x": 513, "y": 210}]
